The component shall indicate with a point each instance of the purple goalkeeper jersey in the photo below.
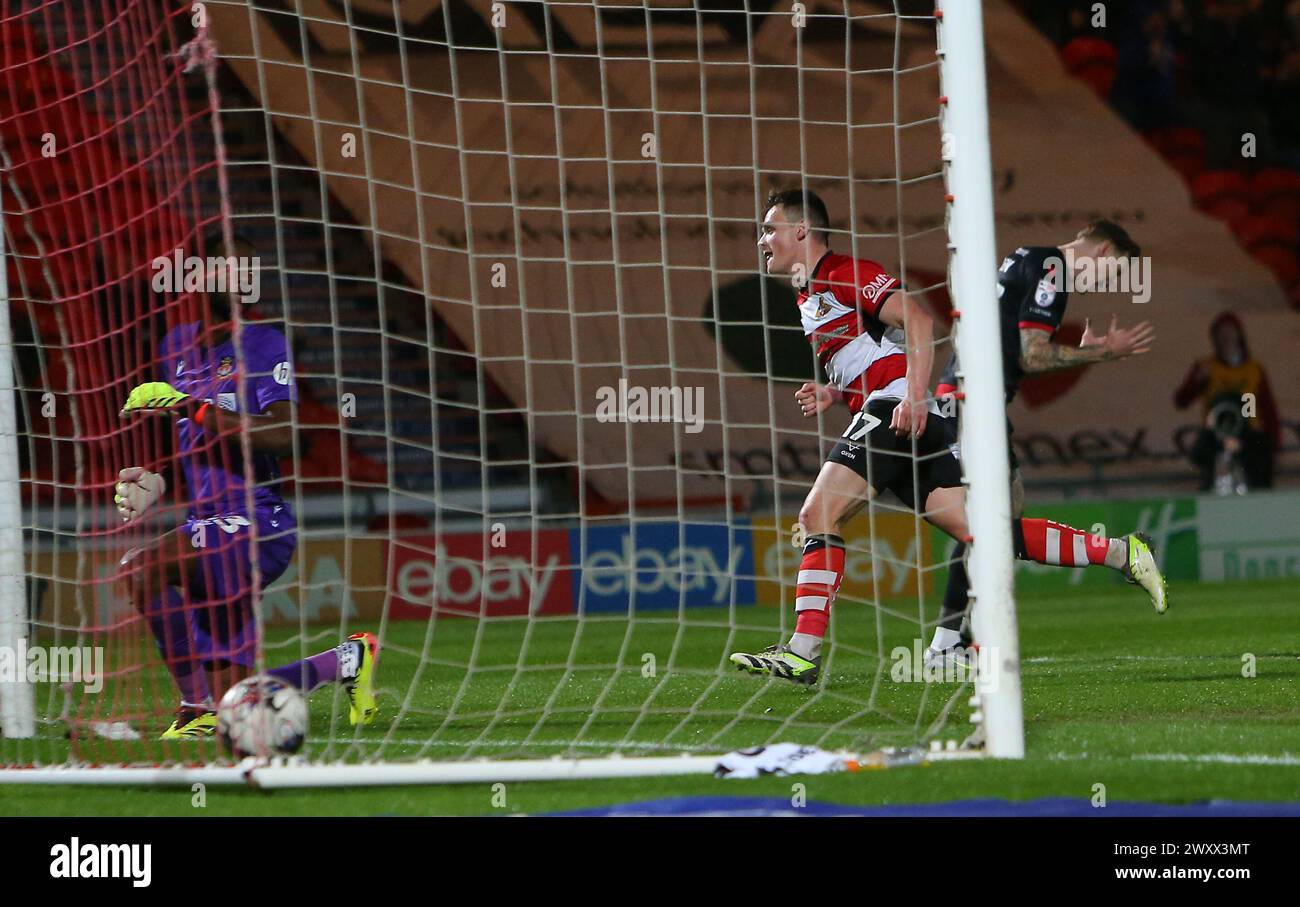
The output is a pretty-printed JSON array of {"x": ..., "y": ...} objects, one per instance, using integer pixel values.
[{"x": 213, "y": 472}]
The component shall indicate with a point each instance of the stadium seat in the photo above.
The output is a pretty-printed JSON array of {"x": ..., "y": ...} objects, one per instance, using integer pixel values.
[
  {"x": 1093, "y": 61},
  {"x": 1184, "y": 148},
  {"x": 1258, "y": 232},
  {"x": 1275, "y": 243},
  {"x": 323, "y": 469},
  {"x": 1276, "y": 191},
  {"x": 1222, "y": 194},
  {"x": 1231, "y": 210},
  {"x": 1281, "y": 261},
  {"x": 1158, "y": 139}
]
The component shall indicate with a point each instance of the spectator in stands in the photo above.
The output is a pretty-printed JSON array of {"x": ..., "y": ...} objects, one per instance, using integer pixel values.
[
  {"x": 1226, "y": 66},
  {"x": 1283, "y": 99},
  {"x": 1062, "y": 20},
  {"x": 1237, "y": 407},
  {"x": 1146, "y": 90}
]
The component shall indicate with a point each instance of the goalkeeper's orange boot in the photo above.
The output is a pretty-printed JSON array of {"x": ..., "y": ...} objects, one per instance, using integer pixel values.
[
  {"x": 192, "y": 723},
  {"x": 359, "y": 679}
]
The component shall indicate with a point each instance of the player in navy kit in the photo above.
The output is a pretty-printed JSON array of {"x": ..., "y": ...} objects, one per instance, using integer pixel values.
[
  {"x": 195, "y": 585},
  {"x": 1034, "y": 285}
]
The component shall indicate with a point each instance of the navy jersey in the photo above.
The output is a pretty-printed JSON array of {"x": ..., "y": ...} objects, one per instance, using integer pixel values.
[{"x": 1031, "y": 294}]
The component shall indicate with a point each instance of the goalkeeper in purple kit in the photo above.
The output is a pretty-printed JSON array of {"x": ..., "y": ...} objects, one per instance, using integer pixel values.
[{"x": 195, "y": 584}]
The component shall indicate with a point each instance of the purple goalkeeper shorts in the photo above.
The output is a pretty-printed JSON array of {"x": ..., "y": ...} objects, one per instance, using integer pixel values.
[{"x": 221, "y": 580}]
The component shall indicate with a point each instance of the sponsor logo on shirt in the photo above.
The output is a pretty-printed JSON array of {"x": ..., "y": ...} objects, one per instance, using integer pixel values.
[{"x": 878, "y": 283}]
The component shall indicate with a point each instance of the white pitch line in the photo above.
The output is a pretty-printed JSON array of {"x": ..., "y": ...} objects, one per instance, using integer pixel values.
[
  {"x": 1223, "y": 758},
  {"x": 1215, "y": 758},
  {"x": 1083, "y": 659}
]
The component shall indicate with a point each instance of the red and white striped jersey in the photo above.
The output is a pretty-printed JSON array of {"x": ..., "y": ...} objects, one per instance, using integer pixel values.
[{"x": 840, "y": 308}]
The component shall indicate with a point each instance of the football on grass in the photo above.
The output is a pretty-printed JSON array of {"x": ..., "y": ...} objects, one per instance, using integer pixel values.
[{"x": 262, "y": 716}]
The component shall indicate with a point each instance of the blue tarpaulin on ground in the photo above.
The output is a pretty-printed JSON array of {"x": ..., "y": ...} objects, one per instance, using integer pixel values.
[{"x": 1054, "y": 806}]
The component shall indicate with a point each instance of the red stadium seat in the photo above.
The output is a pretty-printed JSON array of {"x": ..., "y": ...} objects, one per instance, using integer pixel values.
[
  {"x": 323, "y": 469},
  {"x": 1222, "y": 194},
  {"x": 1186, "y": 138},
  {"x": 1185, "y": 151},
  {"x": 1257, "y": 232},
  {"x": 1282, "y": 262},
  {"x": 1158, "y": 139},
  {"x": 1276, "y": 191},
  {"x": 1093, "y": 61},
  {"x": 1232, "y": 211},
  {"x": 1215, "y": 184}
]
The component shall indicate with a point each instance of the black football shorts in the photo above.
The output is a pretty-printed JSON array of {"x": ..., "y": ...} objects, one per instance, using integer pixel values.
[{"x": 871, "y": 449}]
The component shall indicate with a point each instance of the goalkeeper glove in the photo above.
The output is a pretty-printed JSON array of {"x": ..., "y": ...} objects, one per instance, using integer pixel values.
[
  {"x": 153, "y": 396},
  {"x": 137, "y": 490}
]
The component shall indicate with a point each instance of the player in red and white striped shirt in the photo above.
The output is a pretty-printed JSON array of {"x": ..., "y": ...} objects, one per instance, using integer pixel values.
[{"x": 875, "y": 344}]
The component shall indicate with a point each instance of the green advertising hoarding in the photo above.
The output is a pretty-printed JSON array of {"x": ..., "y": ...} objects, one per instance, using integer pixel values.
[{"x": 1250, "y": 537}]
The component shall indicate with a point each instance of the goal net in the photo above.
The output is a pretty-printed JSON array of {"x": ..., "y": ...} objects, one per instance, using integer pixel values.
[{"x": 544, "y": 440}]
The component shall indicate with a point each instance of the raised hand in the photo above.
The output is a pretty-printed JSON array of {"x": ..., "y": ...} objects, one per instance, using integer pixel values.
[
  {"x": 1119, "y": 343},
  {"x": 1123, "y": 342}
]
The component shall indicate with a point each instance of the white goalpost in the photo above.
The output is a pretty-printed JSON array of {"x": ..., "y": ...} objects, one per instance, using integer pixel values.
[
  {"x": 979, "y": 346},
  {"x": 17, "y": 705},
  {"x": 545, "y": 446}
]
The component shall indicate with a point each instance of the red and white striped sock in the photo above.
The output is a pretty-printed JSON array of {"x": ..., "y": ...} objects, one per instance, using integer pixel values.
[
  {"x": 1057, "y": 544},
  {"x": 820, "y": 573}
]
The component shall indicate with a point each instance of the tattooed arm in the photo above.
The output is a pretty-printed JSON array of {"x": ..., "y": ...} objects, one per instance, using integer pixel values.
[{"x": 1039, "y": 354}]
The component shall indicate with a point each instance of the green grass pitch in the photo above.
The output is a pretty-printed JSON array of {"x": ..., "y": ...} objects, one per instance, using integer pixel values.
[{"x": 1154, "y": 708}]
